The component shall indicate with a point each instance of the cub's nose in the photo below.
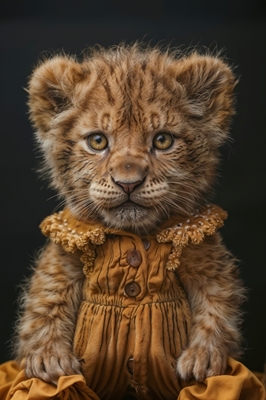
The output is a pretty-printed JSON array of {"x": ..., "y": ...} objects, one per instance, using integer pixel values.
[{"x": 128, "y": 187}]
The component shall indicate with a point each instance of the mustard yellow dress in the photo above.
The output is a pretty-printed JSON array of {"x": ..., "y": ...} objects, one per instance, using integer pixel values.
[{"x": 134, "y": 320}]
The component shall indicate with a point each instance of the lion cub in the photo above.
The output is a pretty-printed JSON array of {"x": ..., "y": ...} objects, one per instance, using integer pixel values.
[{"x": 134, "y": 287}]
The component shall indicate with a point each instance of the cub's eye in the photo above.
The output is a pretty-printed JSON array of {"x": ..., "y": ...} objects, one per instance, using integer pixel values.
[
  {"x": 97, "y": 141},
  {"x": 163, "y": 140}
]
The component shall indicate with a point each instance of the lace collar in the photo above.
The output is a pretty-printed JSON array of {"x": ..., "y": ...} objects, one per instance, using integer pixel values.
[{"x": 72, "y": 234}]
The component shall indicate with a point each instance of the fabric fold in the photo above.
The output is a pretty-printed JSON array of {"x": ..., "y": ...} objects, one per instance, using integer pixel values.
[
  {"x": 238, "y": 383},
  {"x": 15, "y": 386}
]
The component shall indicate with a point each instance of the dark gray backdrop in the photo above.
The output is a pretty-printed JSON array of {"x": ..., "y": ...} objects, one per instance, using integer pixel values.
[{"x": 30, "y": 28}]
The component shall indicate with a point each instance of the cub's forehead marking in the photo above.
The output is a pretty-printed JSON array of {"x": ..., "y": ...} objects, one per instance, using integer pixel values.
[
  {"x": 172, "y": 118},
  {"x": 105, "y": 121},
  {"x": 155, "y": 120},
  {"x": 110, "y": 96},
  {"x": 136, "y": 101}
]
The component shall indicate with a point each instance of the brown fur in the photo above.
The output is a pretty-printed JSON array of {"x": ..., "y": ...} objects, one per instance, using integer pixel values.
[{"x": 131, "y": 94}]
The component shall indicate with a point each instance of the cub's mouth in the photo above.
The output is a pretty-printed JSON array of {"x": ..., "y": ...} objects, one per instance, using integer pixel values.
[
  {"x": 127, "y": 205},
  {"x": 131, "y": 216}
]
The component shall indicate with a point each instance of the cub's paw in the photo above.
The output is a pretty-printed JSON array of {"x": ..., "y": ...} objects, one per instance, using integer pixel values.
[
  {"x": 200, "y": 362},
  {"x": 50, "y": 365}
]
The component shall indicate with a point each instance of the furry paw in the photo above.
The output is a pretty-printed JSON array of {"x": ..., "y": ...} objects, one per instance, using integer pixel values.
[
  {"x": 50, "y": 365},
  {"x": 200, "y": 362}
]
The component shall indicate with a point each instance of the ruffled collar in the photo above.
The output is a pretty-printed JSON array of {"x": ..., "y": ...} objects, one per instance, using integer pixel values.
[{"x": 65, "y": 229}]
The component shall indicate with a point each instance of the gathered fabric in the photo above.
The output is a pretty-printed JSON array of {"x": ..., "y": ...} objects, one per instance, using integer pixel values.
[{"x": 133, "y": 321}]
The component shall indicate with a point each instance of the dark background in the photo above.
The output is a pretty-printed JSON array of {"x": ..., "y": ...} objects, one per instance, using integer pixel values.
[{"x": 30, "y": 28}]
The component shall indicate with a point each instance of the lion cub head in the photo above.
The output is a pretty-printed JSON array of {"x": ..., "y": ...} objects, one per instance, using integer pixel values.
[{"x": 130, "y": 136}]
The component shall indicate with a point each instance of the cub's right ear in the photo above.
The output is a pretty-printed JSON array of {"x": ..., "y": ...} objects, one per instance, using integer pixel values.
[{"x": 51, "y": 88}]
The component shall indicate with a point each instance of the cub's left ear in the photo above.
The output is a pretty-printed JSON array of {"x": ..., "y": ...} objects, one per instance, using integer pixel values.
[
  {"x": 209, "y": 83},
  {"x": 51, "y": 89}
]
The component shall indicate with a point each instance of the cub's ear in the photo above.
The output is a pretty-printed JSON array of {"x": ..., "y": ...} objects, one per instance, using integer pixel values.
[
  {"x": 209, "y": 83},
  {"x": 51, "y": 88}
]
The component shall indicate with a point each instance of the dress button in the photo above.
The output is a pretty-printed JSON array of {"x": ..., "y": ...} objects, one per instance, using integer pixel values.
[
  {"x": 130, "y": 365},
  {"x": 132, "y": 289},
  {"x": 146, "y": 244},
  {"x": 134, "y": 258}
]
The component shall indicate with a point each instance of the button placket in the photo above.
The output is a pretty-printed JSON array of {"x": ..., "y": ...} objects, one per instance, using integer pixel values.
[
  {"x": 146, "y": 243},
  {"x": 130, "y": 365},
  {"x": 132, "y": 289},
  {"x": 134, "y": 258}
]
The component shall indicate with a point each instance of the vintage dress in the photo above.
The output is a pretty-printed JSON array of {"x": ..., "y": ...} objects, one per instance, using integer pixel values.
[{"x": 134, "y": 320}]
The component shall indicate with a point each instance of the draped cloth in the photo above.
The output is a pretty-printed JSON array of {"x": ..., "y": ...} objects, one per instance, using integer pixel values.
[{"x": 238, "y": 383}]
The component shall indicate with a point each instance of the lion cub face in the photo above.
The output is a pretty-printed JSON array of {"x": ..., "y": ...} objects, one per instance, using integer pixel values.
[{"x": 129, "y": 136}]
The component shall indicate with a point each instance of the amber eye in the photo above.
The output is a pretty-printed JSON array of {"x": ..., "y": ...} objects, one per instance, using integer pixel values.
[
  {"x": 97, "y": 141},
  {"x": 163, "y": 140}
]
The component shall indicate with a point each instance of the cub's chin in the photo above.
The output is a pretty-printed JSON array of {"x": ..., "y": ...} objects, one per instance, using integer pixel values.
[{"x": 131, "y": 217}]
